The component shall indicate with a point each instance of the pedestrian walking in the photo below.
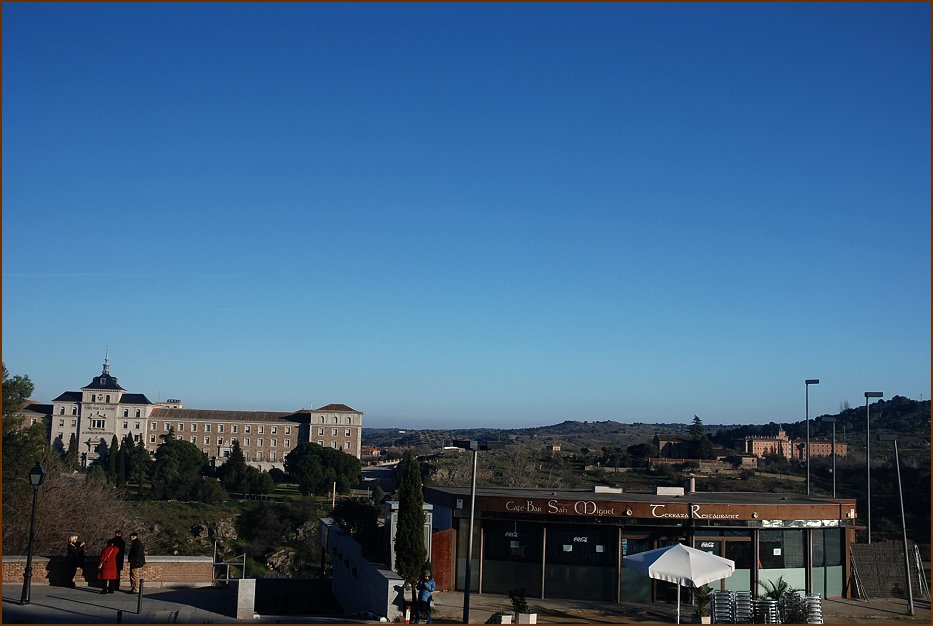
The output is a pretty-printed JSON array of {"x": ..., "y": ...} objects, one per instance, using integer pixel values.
[
  {"x": 425, "y": 588},
  {"x": 107, "y": 568},
  {"x": 74, "y": 558},
  {"x": 137, "y": 559},
  {"x": 121, "y": 547}
]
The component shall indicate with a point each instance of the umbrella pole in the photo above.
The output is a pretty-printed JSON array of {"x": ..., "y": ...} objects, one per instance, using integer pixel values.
[{"x": 678, "y": 602}]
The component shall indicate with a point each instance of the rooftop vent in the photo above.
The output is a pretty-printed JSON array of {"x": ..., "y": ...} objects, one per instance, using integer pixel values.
[
  {"x": 669, "y": 491},
  {"x": 606, "y": 489}
]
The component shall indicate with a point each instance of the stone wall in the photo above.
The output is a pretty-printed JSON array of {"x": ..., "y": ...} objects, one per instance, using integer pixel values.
[{"x": 160, "y": 571}]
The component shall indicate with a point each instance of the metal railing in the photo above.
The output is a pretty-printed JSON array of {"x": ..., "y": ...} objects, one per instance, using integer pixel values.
[{"x": 223, "y": 567}]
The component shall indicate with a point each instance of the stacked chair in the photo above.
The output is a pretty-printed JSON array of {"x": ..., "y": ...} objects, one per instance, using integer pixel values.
[
  {"x": 814, "y": 606},
  {"x": 743, "y": 607},
  {"x": 766, "y": 611},
  {"x": 722, "y": 607}
]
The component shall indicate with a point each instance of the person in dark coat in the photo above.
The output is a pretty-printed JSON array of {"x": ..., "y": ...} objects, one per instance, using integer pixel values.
[
  {"x": 107, "y": 568},
  {"x": 75, "y": 558},
  {"x": 121, "y": 546},
  {"x": 137, "y": 558}
]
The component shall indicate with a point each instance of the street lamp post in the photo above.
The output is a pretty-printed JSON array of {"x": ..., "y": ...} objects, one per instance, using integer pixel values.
[
  {"x": 474, "y": 447},
  {"x": 900, "y": 491},
  {"x": 869, "y": 394},
  {"x": 36, "y": 476},
  {"x": 832, "y": 420},
  {"x": 806, "y": 384}
]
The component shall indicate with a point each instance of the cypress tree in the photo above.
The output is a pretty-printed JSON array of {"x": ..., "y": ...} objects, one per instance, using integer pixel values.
[
  {"x": 410, "y": 553},
  {"x": 112, "y": 455},
  {"x": 71, "y": 455}
]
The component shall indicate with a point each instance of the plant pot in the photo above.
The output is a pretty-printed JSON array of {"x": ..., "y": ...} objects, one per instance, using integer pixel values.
[
  {"x": 526, "y": 618},
  {"x": 505, "y": 619},
  {"x": 702, "y": 619}
]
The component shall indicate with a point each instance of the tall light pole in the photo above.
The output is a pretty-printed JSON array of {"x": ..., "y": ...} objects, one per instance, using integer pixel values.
[
  {"x": 900, "y": 491},
  {"x": 806, "y": 384},
  {"x": 474, "y": 447},
  {"x": 36, "y": 476},
  {"x": 869, "y": 394},
  {"x": 832, "y": 420}
]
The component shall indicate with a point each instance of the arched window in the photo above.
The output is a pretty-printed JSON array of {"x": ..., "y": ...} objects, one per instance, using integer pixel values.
[
  {"x": 137, "y": 412},
  {"x": 61, "y": 411},
  {"x": 108, "y": 398},
  {"x": 93, "y": 397},
  {"x": 126, "y": 412}
]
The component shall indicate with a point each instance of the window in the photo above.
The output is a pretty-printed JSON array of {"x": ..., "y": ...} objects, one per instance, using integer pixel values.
[
  {"x": 220, "y": 441},
  {"x": 74, "y": 410},
  {"x": 165, "y": 426},
  {"x": 272, "y": 456},
  {"x": 207, "y": 441},
  {"x": 220, "y": 428},
  {"x": 108, "y": 398},
  {"x": 259, "y": 455},
  {"x": 74, "y": 423},
  {"x": 207, "y": 428},
  {"x": 349, "y": 420},
  {"x": 93, "y": 397},
  {"x": 246, "y": 441},
  {"x": 137, "y": 413},
  {"x": 333, "y": 432},
  {"x": 61, "y": 423},
  {"x": 61, "y": 411},
  {"x": 274, "y": 429},
  {"x": 126, "y": 424},
  {"x": 320, "y": 432},
  {"x": 233, "y": 428},
  {"x": 336, "y": 419},
  {"x": 273, "y": 443},
  {"x": 97, "y": 423},
  {"x": 333, "y": 444},
  {"x": 322, "y": 419},
  {"x": 346, "y": 445},
  {"x": 151, "y": 438},
  {"x": 288, "y": 430},
  {"x": 152, "y": 425},
  {"x": 259, "y": 442},
  {"x": 320, "y": 442},
  {"x": 262, "y": 429},
  {"x": 136, "y": 427},
  {"x": 288, "y": 443},
  {"x": 136, "y": 438},
  {"x": 126, "y": 412},
  {"x": 194, "y": 439},
  {"x": 181, "y": 427},
  {"x": 248, "y": 428},
  {"x": 346, "y": 433},
  {"x": 194, "y": 428},
  {"x": 226, "y": 454}
]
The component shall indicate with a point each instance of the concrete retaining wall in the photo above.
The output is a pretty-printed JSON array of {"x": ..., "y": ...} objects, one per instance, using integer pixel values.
[
  {"x": 160, "y": 571},
  {"x": 359, "y": 585}
]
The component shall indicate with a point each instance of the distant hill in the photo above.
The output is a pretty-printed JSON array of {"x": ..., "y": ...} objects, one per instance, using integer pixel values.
[{"x": 898, "y": 415}]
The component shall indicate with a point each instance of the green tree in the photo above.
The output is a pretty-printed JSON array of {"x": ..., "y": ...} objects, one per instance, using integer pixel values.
[
  {"x": 234, "y": 468},
  {"x": 22, "y": 444},
  {"x": 410, "y": 553},
  {"x": 113, "y": 454},
  {"x": 177, "y": 470},
  {"x": 316, "y": 469},
  {"x": 140, "y": 467},
  {"x": 70, "y": 460}
]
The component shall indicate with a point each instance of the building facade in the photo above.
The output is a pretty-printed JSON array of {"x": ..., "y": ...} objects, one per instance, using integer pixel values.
[
  {"x": 760, "y": 446},
  {"x": 103, "y": 409},
  {"x": 570, "y": 543},
  {"x": 819, "y": 447}
]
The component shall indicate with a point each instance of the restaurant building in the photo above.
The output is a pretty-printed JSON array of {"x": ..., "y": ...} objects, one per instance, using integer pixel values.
[{"x": 570, "y": 543}]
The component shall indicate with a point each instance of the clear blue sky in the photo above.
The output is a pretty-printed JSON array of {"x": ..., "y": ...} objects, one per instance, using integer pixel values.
[{"x": 471, "y": 215}]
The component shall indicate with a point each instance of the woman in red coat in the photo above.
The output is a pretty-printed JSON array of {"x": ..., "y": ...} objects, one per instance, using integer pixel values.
[{"x": 107, "y": 568}]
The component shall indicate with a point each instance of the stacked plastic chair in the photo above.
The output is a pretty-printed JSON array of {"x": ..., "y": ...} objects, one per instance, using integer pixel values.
[
  {"x": 722, "y": 607},
  {"x": 742, "y": 611},
  {"x": 814, "y": 606},
  {"x": 766, "y": 611}
]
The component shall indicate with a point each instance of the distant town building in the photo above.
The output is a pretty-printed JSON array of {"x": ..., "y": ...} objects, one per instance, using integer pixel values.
[
  {"x": 103, "y": 409},
  {"x": 673, "y": 447},
  {"x": 552, "y": 447},
  {"x": 760, "y": 446},
  {"x": 818, "y": 447}
]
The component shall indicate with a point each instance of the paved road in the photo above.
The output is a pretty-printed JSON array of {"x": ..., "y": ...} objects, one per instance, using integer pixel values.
[{"x": 205, "y": 605}]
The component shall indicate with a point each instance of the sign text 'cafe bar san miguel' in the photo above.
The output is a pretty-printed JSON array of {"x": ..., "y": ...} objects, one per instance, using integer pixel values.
[{"x": 570, "y": 543}]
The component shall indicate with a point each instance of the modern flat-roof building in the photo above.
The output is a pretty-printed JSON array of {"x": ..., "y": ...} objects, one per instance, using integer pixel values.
[
  {"x": 103, "y": 409},
  {"x": 570, "y": 543}
]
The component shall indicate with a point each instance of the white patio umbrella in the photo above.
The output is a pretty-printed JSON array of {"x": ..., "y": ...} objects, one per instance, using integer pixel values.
[{"x": 681, "y": 565}]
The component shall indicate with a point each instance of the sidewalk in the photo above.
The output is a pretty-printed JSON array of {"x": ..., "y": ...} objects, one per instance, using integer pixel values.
[{"x": 205, "y": 605}]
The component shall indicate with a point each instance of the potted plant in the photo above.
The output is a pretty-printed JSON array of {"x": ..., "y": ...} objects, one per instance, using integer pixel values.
[
  {"x": 701, "y": 600},
  {"x": 520, "y": 606}
]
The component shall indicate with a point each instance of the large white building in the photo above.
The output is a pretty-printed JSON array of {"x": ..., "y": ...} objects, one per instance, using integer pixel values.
[{"x": 103, "y": 409}]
